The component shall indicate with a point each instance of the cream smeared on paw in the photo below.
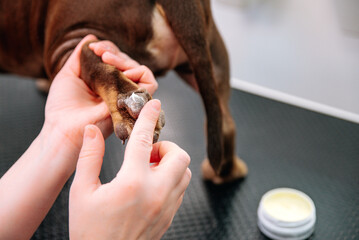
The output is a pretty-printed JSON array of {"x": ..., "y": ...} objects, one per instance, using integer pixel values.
[{"x": 135, "y": 104}]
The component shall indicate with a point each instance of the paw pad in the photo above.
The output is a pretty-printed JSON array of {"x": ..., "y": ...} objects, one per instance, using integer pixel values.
[
  {"x": 135, "y": 103},
  {"x": 130, "y": 106}
]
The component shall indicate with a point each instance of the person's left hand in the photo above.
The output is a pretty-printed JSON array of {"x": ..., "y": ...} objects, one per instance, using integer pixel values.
[
  {"x": 71, "y": 105},
  {"x": 112, "y": 55},
  {"x": 30, "y": 187}
]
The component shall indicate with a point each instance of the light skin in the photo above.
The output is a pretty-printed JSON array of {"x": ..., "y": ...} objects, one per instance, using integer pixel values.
[{"x": 72, "y": 135}]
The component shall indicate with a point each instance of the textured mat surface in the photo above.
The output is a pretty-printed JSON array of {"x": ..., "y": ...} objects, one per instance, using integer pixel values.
[{"x": 284, "y": 146}]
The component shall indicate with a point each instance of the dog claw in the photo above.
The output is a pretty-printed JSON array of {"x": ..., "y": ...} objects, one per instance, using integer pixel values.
[
  {"x": 160, "y": 124},
  {"x": 161, "y": 119},
  {"x": 123, "y": 131},
  {"x": 156, "y": 136}
]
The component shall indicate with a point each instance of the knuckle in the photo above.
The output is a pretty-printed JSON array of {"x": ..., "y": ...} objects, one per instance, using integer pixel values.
[
  {"x": 143, "y": 68},
  {"x": 146, "y": 71},
  {"x": 100, "y": 45},
  {"x": 154, "y": 85},
  {"x": 106, "y": 45},
  {"x": 87, "y": 154},
  {"x": 144, "y": 139},
  {"x": 110, "y": 45},
  {"x": 189, "y": 173},
  {"x": 184, "y": 157}
]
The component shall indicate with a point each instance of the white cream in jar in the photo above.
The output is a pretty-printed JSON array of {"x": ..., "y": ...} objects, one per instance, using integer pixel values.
[{"x": 286, "y": 213}]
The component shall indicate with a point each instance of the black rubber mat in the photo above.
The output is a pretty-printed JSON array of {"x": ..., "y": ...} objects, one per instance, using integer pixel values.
[{"x": 284, "y": 146}]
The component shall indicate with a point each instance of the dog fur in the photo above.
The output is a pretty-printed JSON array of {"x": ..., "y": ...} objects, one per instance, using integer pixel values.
[{"x": 37, "y": 37}]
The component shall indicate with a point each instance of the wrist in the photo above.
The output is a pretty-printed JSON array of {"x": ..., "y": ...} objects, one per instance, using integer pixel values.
[
  {"x": 33, "y": 183},
  {"x": 57, "y": 150}
]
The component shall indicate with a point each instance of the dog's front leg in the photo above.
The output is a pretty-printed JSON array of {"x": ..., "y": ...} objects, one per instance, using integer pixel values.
[{"x": 123, "y": 97}]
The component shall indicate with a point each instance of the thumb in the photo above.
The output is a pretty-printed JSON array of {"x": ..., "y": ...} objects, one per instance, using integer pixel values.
[{"x": 90, "y": 158}]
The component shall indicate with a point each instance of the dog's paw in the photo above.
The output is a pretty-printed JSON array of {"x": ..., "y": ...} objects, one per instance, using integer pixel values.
[
  {"x": 130, "y": 105},
  {"x": 239, "y": 170},
  {"x": 133, "y": 102}
]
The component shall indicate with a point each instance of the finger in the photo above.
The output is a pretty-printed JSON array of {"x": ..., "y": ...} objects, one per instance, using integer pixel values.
[
  {"x": 124, "y": 56},
  {"x": 182, "y": 185},
  {"x": 139, "y": 146},
  {"x": 179, "y": 203},
  {"x": 160, "y": 149},
  {"x": 144, "y": 77},
  {"x": 173, "y": 164},
  {"x": 120, "y": 61},
  {"x": 101, "y": 47},
  {"x": 73, "y": 62},
  {"x": 106, "y": 126},
  {"x": 90, "y": 158}
]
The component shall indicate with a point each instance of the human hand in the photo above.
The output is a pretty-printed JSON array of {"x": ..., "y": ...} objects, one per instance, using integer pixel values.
[
  {"x": 140, "y": 74},
  {"x": 71, "y": 105},
  {"x": 141, "y": 201}
]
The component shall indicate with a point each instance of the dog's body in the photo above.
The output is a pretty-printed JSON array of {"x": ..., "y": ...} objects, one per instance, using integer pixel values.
[{"x": 36, "y": 38}]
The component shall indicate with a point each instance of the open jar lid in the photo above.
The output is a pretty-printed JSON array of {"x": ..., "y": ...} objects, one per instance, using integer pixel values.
[{"x": 286, "y": 213}]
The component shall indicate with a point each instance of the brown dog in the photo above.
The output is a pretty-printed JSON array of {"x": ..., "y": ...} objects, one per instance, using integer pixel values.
[{"x": 37, "y": 37}]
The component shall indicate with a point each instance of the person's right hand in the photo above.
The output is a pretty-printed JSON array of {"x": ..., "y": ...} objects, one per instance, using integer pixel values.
[{"x": 141, "y": 201}]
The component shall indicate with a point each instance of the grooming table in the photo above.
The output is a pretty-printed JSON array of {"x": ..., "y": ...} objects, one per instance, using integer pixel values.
[{"x": 284, "y": 146}]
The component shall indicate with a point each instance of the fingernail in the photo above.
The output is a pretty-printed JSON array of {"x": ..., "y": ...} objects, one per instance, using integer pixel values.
[
  {"x": 156, "y": 104},
  {"x": 90, "y": 132},
  {"x": 109, "y": 54},
  {"x": 108, "y": 48}
]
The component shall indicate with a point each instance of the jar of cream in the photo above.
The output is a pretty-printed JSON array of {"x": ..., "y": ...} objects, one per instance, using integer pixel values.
[{"x": 286, "y": 213}]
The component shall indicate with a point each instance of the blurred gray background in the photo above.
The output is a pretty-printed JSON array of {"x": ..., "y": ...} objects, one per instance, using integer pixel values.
[{"x": 308, "y": 49}]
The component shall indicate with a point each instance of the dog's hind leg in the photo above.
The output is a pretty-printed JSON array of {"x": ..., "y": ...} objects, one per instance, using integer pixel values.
[
  {"x": 192, "y": 24},
  {"x": 189, "y": 28},
  {"x": 232, "y": 166}
]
